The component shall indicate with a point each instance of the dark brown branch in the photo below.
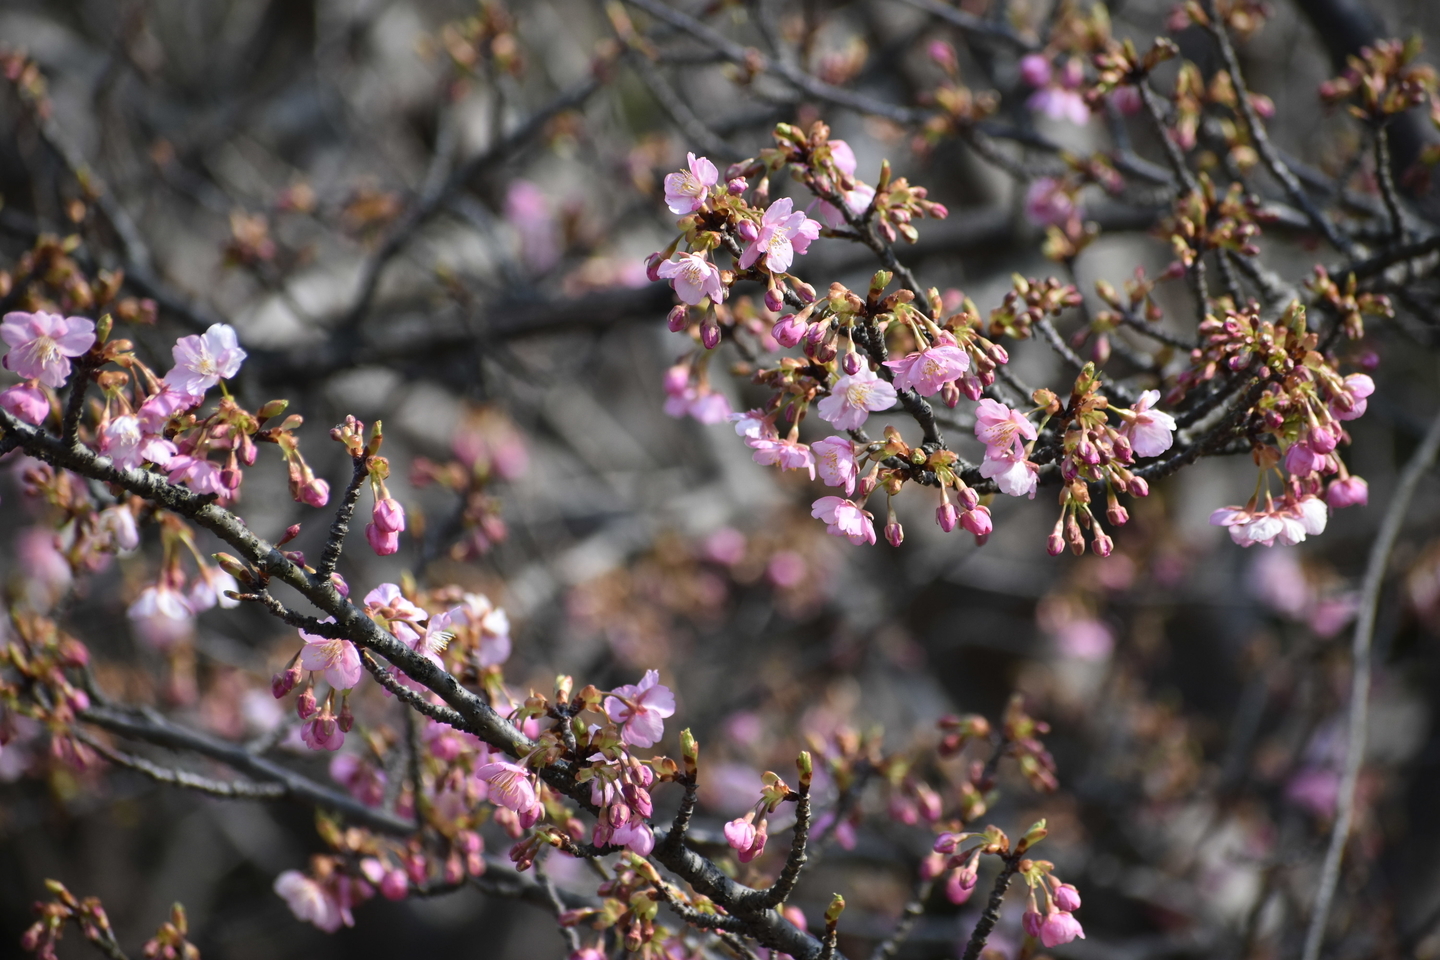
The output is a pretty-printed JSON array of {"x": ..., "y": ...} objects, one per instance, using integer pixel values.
[
  {"x": 340, "y": 527},
  {"x": 914, "y": 910},
  {"x": 407, "y": 696},
  {"x": 987, "y": 920},
  {"x": 784, "y": 885},
  {"x": 228, "y": 789}
]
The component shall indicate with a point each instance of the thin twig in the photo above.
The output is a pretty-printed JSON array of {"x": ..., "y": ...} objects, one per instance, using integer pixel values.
[
  {"x": 1387, "y": 184},
  {"x": 784, "y": 885},
  {"x": 1361, "y": 640},
  {"x": 409, "y": 697},
  {"x": 340, "y": 528},
  {"x": 988, "y": 919},
  {"x": 912, "y": 913},
  {"x": 228, "y": 789}
]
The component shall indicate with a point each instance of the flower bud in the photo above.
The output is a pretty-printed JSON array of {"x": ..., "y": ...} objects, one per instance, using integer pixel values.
[
  {"x": 1102, "y": 545},
  {"x": 1323, "y": 439},
  {"x": 389, "y": 515},
  {"x": 305, "y": 706},
  {"x": 1067, "y": 898},
  {"x": 1138, "y": 487},
  {"x": 978, "y": 521},
  {"x": 316, "y": 493},
  {"x": 710, "y": 333},
  {"x": 789, "y": 330},
  {"x": 678, "y": 318},
  {"x": 737, "y": 186},
  {"x": 341, "y": 586},
  {"x": 652, "y": 267},
  {"x": 774, "y": 299},
  {"x": 747, "y": 231},
  {"x": 286, "y": 680},
  {"x": 894, "y": 533},
  {"x": 850, "y": 363},
  {"x": 946, "y": 516},
  {"x": 381, "y": 542}
]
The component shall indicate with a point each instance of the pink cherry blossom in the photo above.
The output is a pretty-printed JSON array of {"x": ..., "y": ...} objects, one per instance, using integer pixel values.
[
  {"x": 322, "y": 732},
  {"x": 204, "y": 360},
  {"x": 686, "y": 190},
  {"x": 26, "y": 402},
  {"x": 162, "y": 615},
  {"x": 1035, "y": 69},
  {"x": 127, "y": 445},
  {"x": 1057, "y": 103},
  {"x": 490, "y": 621},
  {"x": 1067, "y": 898},
  {"x": 788, "y": 454},
  {"x": 978, "y": 521},
  {"x": 1348, "y": 492},
  {"x": 335, "y": 657},
  {"x": 746, "y": 838},
  {"x": 961, "y": 882},
  {"x": 854, "y": 397},
  {"x": 311, "y": 902},
  {"x": 1301, "y": 460},
  {"x": 389, "y": 515},
  {"x": 694, "y": 278},
  {"x": 857, "y": 200},
  {"x": 753, "y": 424},
  {"x": 640, "y": 710},
  {"x": 387, "y": 601},
  {"x": 1151, "y": 432},
  {"x": 782, "y": 234},
  {"x": 158, "y": 408},
  {"x": 528, "y": 211},
  {"x": 835, "y": 459},
  {"x": 930, "y": 369},
  {"x": 41, "y": 344},
  {"x": 199, "y": 474},
  {"x": 209, "y": 589},
  {"x": 1353, "y": 407},
  {"x": 1002, "y": 430},
  {"x": 1060, "y": 926},
  {"x": 1048, "y": 203},
  {"x": 512, "y": 786},
  {"x": 384, "y": 543},
  {"x": 844, "y": 518},
  {"x": 1015, "y": 477}
]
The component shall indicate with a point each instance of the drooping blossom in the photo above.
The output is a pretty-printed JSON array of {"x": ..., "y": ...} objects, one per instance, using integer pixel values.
[
  {"x": 845, "y": 518},
  {"x": 335, "y": 657},
  {"x": 962, "y": 880},
  {"x": 311, "y": 902},
  {"x": 209, "y": 589},
  {"x": 856, "y": 200},
  {"x": 694, "y": 278},
  {"x": 199, "y": 474},
  {"x": 1015, "y": 477},
  {"x": 41, "y": 344},
  {"x": 1067, "y": 897},
  {"x": 788, "y": 454},
  {"x": 1060, "y": 926},
  {"x": 1002, "y": 430},
  {"x": 753, "y": 423},
  {"x": 115, "y": 529},
  {"x": 1349, "y": 491},
  {"x": 1360, "y": 386},
  {"x": 1301, "y": 460},
  {"x": 364, "y": 780},
  {"x": 203, "y": 360},
  {"x": 388, "y": 602},
  {"x": 383, "y": 542},
  {"x": 640, "y": 710},
  {"x": 1151, "y": 432},
  {"x": 512, "y": 786},
  {"x": 696, "y": 400},
  {"x": 835, "y": 459},
  {"x": 127, "y": 445},
  {"x": 685, "y": 190},
  {"x": 490, "y": 622},
  {"x": 162, "y": 615},
  {"x": 782, "y": 234},
  {"x": 322, "y": 732},
  {"x": 26, "y": 402},
  {"x": 528, "y": 211},
  {"x": 926, "y": 371},
  {"x": 854, "y": 397},
  {"x": 1048, "y": 203}
]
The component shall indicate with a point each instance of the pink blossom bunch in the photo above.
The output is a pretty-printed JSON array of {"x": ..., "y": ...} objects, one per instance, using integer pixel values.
[
  {"x": 1057, "y": 94},
  {"x": 1004, "y": 432},
  {"x": 927, "y": 371},
  {"x": 1287, "y": 522},
  {"x": 781, "y": 235},
  {"x": 686, "y": 190},
  {"x": 41, "y": 345},
  {"x": 844, "y": 518},
  {"x": 640, "y": 710},
  {"x": 621, "y": 789},
  {"x": 854, "y": 397}
]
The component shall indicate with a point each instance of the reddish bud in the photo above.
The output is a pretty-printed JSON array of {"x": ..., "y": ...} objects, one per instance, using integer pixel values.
[{"x": 678, "y": 318}]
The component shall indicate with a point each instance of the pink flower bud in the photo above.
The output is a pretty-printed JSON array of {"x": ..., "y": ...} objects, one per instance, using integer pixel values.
[
  {"x": 789, "y": 330},
  {"x": 652, "y": 267},
  {"x": 1349, "y": 492},
  {"x": 1055, "y": 543},
  {"x": 946, "y": 516},
  {"x": 341, "y": 586},
  {"x": 389, "y": 515},
  {"x": 1067, "y": 898},
  {"x": 894, "y": 533},
  {"x": 977, "y": 521},
  {"x": 747, "y": 231},
  {"x": 381, "y": 542},
  {"x": 1138, "y": 487},
  {"x": 1035, "y": 69},
  {"x": 1060, "y": 927},
  {"x": 1117, "y": 514},
  {"x": 678, "y": 318},
  {"x": 316, "y": 493},
  {"x": 968, "y": 498},
  {"x": 710, "y": 333},
  {"x": 1102, "y": 545},
  {"x": 850, "y": 363},
  {"x": 305, "y": 704},
  {"x": 1322, "y": 439},
  {"x": 737, "y": 186},
  {"x": 285, "y": 681},
  {"x": 774, "y": 299},
  {"x": 1031, "y": 921},
  {"x": 394, "y": 885}
]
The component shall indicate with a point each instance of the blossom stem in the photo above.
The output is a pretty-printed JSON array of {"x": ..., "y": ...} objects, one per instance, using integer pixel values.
[{"x": 1361, "y": 640}]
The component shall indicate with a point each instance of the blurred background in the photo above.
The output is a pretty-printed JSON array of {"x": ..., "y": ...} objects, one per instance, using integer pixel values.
[{"x": 436, "y": 214}]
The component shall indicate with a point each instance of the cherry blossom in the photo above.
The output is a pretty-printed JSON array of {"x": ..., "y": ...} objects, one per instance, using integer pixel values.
[
  {"x": 1348, "y": 492},
  {"x": 686, "y": 190},
  {"x": 788, "y": 454},
  {"x": 1002, "y": 430},
  {"x": 930, "y": 369},
  {"x": 1151, "y": 432},
  {"x": 1016, "y": 477},
  {"x": 477, "y": 612},
  {"x": 41, "y": 344},
  {"x": 640, "y": 710},
  {"x": 26, "y": 402},
  {"x": 1047, "y": 203},
  {"x": 782, "y": 234},
  {"x": 311, "y": 902},
  {"x": 746, "y": 837},
  {"x": 1352, "y": 407},
  {"x": 199, "y": 474},
  {"x": 1060, "y": 926},
  {"x": 203, "y": 360},
  {"x": 127, "y": 445},
  {"x": 835, "y": 459},
  {"x": 158, "y": 408},
  {"x": 335, "y": 657},
  {"x": 694, "y": 278},
  {"x": 388, "y": 602},
  {"x": 512, "y": 786},
  {"x": 844, "y": 518},
  {"x": 210, "y": 587},
  {"x": 857, "y": 200},
  {"x": 854, "y": 397},
  {"x": 163, "y": 615}
]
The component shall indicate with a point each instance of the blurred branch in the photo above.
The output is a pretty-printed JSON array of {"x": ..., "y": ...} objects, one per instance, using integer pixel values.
[{"x": 1362, "y": 638}]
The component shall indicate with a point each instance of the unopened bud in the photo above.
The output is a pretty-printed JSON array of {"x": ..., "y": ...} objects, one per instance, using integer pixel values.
[
  {"x": 806, "y": 767},
  {"x": 272, "y": 409},
  {"x": 737, "y": 186},
  {"x": 305, "y": 705},
  {"x": 678, "y": 318},
  {"x": 832, "y": 912}
]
